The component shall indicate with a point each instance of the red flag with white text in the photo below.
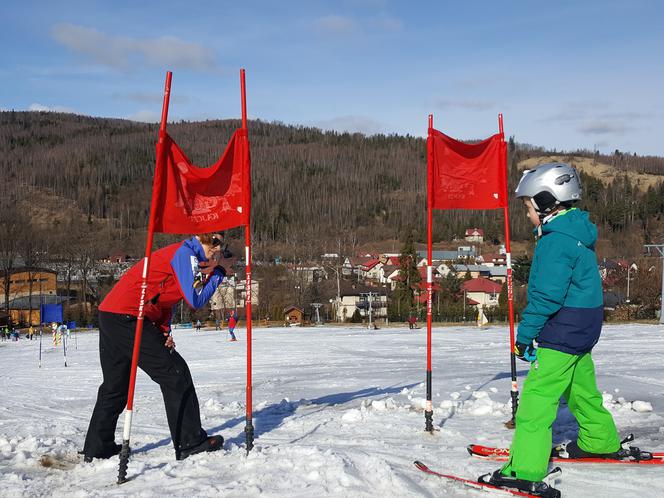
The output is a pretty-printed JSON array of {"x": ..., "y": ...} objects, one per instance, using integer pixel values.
[
  {"x": 467, "y": 176},
  {"x": 191, "y": 199}
]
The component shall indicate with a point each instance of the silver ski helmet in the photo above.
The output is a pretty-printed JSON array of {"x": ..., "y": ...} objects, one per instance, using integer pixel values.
[{"x": 550, "y": 185}]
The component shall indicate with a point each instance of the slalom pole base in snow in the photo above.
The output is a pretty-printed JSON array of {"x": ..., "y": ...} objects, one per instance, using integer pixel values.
[
  {"x": 124, "y": 462},
  {"x": 511, "y": 424},
  {"x": 428, "y": 421},
  {"x": 249, "y": 434}
]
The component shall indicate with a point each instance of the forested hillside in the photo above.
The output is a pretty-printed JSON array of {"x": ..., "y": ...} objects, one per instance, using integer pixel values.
[{"x": 313, "y": 191}]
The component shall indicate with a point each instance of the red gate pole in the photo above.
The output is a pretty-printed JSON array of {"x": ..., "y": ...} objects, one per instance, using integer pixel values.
[
  {"x": 124, "y": 452},
  {"x": 514, "y": 391},
  {"x": 249, "y": 428},
  {"x": 428, "y": 412}
]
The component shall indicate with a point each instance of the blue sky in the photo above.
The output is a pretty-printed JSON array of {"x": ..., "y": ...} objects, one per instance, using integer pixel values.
[{"x": 565, "y": 74}]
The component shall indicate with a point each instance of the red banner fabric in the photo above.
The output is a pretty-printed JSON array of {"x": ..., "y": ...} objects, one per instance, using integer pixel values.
[
  {"x": 467, "y": 176},
  {"x": 190, "y": 199}
]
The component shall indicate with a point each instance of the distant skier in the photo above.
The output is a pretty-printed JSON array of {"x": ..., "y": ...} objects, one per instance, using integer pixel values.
[
  {"x": 412, "y": 320},
  {"x": 198, "y": 325},
  {"x": 63, "y": 331},
  {"x": 232, "y": 322},
  {"x": 564, "y": 315}
]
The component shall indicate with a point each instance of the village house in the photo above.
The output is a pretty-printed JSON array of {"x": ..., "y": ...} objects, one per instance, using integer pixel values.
[
  {"x": 372, "y": 270},
  {"x": 498, "y": 273},
  {"x": 293, "y": 315},
  {"x": 28, "y": 288},
  {"x": 353, "y": 265},
  {"x": 309, "y": 274},
  {"x": 462, "y": 253},
  {"x": 474, "y": 235},
  {"x": 483, "y": 291},
  {"x": 356, "y": 297},
  {"x": 232, "y": 295}
]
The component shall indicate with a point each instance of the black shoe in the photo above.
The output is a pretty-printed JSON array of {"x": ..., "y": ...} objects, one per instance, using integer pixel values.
[
  {"x": 536, "y": 488},
  {"x": 108, "y": 453},
  {"x": 211, "y": 443},
  {"x": 572, "y": 450}
]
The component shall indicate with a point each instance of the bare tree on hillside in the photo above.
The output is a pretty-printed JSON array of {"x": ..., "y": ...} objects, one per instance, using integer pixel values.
[{"x": 11, "y": 223}]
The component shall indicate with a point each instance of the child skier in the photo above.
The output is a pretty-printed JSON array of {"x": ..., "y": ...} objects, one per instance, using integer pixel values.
[
  {"x": 564, "y": 315},
  {"x": 232, "y": 322}
]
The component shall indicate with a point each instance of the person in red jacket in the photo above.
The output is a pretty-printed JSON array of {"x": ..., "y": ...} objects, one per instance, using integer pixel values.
[
  {"x": 188, "y": 270},
  {"x": 232, "y": 322}
]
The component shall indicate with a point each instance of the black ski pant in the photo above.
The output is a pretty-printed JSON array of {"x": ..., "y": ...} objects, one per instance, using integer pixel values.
[{"x": 166, "y": 367}]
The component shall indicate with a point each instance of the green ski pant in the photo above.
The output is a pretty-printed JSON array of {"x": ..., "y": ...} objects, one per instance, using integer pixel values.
[{"x": 553, "y": 375}]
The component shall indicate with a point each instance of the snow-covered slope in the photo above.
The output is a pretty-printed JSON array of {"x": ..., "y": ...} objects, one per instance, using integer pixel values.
[{"x": 338, "y": 412}]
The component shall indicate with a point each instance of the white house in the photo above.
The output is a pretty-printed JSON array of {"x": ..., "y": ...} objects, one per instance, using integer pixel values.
[
  {"x": 474, "y": 235},
  {"x": 356, "y": 297},
  {"x": 232, "y": 294}
]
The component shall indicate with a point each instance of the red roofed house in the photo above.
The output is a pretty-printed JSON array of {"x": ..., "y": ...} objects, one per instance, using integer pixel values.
[
  {"x": 484, "y": 292},
  {"x": 474, "y": 235},
  {"x": 372, "y": 269}
]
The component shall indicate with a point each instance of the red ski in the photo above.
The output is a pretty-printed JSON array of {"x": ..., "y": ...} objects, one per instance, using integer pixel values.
[
  {"x": 502, "y": 454},
  {"x": 478, "y": 484}
]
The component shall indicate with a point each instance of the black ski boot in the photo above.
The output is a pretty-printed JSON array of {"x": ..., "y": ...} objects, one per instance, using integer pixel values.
[
  {"x": 572, "y": 450},
  {"x": 210, "y": 443},
  {"x": 108, "y": 452},
  {"x": 535, "y": 488}
]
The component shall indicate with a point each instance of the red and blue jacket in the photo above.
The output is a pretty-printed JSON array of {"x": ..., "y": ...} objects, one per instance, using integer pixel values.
[{"x": 174, "y": 275}]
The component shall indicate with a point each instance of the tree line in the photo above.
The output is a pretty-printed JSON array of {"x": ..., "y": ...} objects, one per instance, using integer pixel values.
[{"x": 312, "y": 190}]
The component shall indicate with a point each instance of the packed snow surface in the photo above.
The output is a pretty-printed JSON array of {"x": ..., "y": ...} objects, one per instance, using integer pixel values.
[{"x": 338, "y": 412}]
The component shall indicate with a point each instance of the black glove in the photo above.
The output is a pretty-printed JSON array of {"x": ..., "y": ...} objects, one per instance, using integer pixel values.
[{"x": 525, "y": 352}]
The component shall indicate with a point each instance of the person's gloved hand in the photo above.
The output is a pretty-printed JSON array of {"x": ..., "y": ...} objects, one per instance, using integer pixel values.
[
  {"x": 220, "y": 270},
  {"x": 525, "y": 352}
]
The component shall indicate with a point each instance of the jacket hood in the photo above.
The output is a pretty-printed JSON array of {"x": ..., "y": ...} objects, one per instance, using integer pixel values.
[
  {"x": 574, "y": 223},
  {"x": 196, "y": 247}
]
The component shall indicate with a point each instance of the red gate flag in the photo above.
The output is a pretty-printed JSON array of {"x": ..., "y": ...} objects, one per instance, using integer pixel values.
[
  {"x": 467, "y": 176},
  {"x": 190, "y": 199}
]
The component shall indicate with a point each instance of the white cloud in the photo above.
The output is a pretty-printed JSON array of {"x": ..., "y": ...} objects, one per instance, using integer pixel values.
[
  {"x": 335, "y": 25},
  {"x": 148, "y": 98},
  {"x": 469, "y": 104},
  {"x": 603, "y": 127},
  {"x": 123, "y": 53},
  {"x": 145, "y": 117},
  {"x": 351, "y": 124},
  {"x": 42, "y": 108}
]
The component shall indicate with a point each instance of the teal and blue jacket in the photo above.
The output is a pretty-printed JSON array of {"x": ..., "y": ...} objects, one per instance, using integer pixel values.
[{"x": 565, "y": 299}]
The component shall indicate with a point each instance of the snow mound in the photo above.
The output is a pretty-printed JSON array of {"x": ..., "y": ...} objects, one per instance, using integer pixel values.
[{"x": 622, "y": 405}]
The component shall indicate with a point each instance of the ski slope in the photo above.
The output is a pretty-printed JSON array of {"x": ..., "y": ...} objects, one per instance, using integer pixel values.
[{"x": 338, "y": 412}]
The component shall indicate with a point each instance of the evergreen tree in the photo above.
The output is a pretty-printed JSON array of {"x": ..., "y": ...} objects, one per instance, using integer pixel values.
[
  {"x": 503, "y": 305},
  {"x": 403, "y": 299},
  {"x": 521, "y": 269}
]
